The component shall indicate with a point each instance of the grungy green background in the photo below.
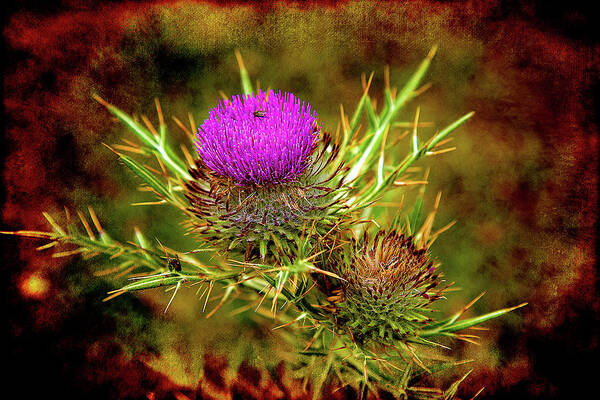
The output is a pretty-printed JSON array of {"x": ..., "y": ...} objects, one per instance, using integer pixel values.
[{"x": 522, "y": 184}]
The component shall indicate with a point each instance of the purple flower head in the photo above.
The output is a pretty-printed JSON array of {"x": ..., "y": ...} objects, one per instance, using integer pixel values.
[{"x": 264, "y": 138}]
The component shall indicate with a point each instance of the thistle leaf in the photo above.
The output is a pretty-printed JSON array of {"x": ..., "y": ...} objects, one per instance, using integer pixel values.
[
  {"x": 415, "y": 215},
  {"x": 376, "y": 190},
  {"x": 244, "y": 77},
  {"x": 455, "y": 326},
  {"x": 136, "y": 128},
  {"x": 451, "y": 391},
  {"x": 373, "y": 120},
  {"x": 150, "y": 282},
  {"x": 146, "y": 176},
  {"x": 368, "y": 148},
  {"x": 356, "y": 116},
  {"x": 469, "y": 322},
  {"x": 157, "y": 144},
  {"x": 447, "y": 130}
]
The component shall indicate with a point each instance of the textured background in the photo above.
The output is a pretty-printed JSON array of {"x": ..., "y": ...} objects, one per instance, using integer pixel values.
[{"x": 522, "y": 184}]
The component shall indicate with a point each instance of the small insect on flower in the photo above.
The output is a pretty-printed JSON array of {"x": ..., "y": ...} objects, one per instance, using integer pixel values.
[{"x": 259, "y": 113}]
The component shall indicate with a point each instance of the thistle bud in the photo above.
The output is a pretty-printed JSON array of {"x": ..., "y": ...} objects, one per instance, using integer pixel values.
[{"x": 387, "y": 287}]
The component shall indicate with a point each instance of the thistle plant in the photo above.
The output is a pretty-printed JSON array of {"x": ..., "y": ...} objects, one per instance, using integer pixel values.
[{"x": 282, "y": 210}]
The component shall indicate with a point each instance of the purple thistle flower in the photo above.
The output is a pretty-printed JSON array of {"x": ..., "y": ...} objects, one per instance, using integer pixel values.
[
  {"x": 261, "y": 139},
  {"x": 265, "y": 172}
]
